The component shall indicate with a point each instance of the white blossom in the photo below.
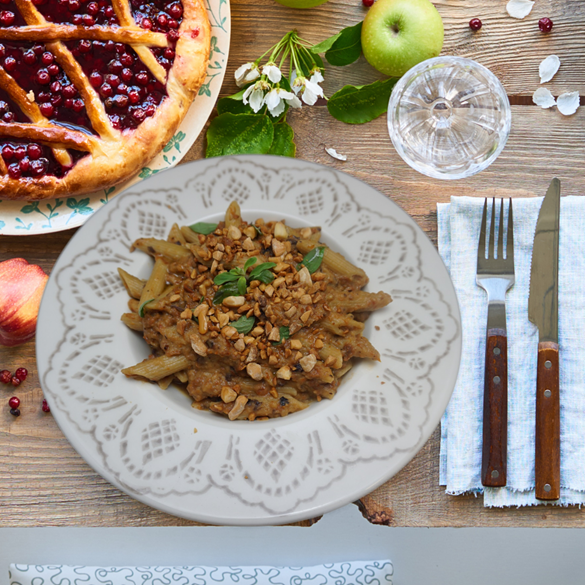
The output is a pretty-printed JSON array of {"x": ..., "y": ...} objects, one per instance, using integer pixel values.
[
  {"x": 256, "y": 94},
  {"x": 309, "y": 88},
  {"x": 276, "y": 98},
  {"x": 272, "y": 72},
  {"x": 246, "y": 73}
]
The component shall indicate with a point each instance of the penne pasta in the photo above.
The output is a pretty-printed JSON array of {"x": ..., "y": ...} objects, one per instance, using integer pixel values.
[
  {"x": 233, "y": 215},
  {"x": 155, "y": 284},
  {"x": 155, "y": 247},
  {"x": 189, "y": 235},
  {"x": 176, "y": 236},
  {"x": 133, "y": 285},
  {"x": 357, "y": 301},
  {"x": 132, "y": 321},
  {"x": 157, "y": 368}
]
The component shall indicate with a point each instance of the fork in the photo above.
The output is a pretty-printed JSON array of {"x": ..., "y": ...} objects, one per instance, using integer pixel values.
[{"x": 495, "y": 274}]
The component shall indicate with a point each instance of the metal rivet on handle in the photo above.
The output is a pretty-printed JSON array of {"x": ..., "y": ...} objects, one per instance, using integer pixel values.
[
  {"x": 495, "y": 474},
  {"x": 497, "y": 351},
  {"x": 548, "y": 364},
  {"x": 547, "y": 393},
  {"x": 547, "y": 487},
  {"x": 496, "y": 379}
]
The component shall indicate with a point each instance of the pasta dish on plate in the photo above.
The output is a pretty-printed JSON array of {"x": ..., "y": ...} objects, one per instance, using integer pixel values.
[{"x": 255, "y": 320}]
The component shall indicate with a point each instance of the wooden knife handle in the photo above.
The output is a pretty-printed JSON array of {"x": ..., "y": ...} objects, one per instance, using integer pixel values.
[
  {"x": 547, "y": 473},
  {"x": 495, "y": 410}
]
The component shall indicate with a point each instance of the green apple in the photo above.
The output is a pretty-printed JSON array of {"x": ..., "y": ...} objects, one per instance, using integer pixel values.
[
  {"x": 301, "y": 3},
  {"x": 398, "y": 34}
]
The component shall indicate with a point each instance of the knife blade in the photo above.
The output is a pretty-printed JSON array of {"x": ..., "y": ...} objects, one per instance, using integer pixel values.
[{"x": 543, "y": 312}]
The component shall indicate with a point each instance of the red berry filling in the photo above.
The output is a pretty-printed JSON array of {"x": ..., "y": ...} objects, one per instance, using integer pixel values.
[
  {"x": 33, "y": 160},
  {"x": 78, "y": 12},
  {"x": 10, "y": 15},
  {"x": 32, "y": 68},
  {"x": 129, "y": 91},
  {"x": 9, "y": 110}
]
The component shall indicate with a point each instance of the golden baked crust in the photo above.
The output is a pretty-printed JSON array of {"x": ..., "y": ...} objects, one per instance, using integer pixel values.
[{"x": 113, "y": 155}]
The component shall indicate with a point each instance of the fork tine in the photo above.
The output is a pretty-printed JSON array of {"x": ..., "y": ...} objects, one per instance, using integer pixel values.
[
  {"x": 492, "y": 231},
  {"x": 510, "y": 237},
  {"x": 481, "y": 245},
  {"x": 501, "y": 231}
]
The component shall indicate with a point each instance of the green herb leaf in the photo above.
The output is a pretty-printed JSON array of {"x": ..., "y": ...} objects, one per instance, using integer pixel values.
[
  {"x": 203, "y": 228},
  {"x": 258, "y": 230},
  {"x": 283, "y": 144},
  {"x": 141, "y": 308},
  {"x": 227, "y": 290},
  {"x": 360, "y": 104},
  {"x": 239, "y": 134},
  {"x": 242, "y": 285},
  {"x": 313, "y": 259},
  {"x": 250, "y": 262},
  {"x": 325, "y": 45},
  {"x": 261, "y": 268},
  {"x": 347, "y": 48},
  {"x": 284, "y": 333},
  {"x": 265, "y": 276},
  {"x": 225, "y": 277},
  {"x": 233, "y": 104},
  {"x": 244, "y": 324}
]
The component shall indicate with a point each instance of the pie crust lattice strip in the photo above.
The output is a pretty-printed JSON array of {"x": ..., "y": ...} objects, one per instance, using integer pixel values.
[{"x": 90, "y": 90}]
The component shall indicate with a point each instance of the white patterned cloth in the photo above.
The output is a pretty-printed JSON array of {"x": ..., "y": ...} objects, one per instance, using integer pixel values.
[
  {"x": 461, "y": 427},
  {"x": 346, "y": 573}
]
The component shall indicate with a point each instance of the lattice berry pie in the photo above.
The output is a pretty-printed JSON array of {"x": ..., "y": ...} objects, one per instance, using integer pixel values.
[{"x": 90, "y": 90}]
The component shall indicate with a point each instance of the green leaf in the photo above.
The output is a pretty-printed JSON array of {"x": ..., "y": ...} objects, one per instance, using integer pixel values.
[
  {"x": 265, "y": 276},
  {"x": 283, "y": 144},
  {"x": 225, "y": 277},
  {"x": 141, "y": 308},
  {"x": 360, "y": 104},
  {"x": 261, "y": 268},
  {"x": 227, "y": 290},
  {"x": 250, "y": 262},
  {"x": 239, "y": 134},
  {"x": 284, "y": 333},
  {"x": 325, "y": 45},
  {"x": 203, "y": 228},
  {"x": 347, "y": 47},
  {"x": 258, "y": 230},
  {"x": 244, "y": 324},
  {"x": 313, "y": 259},
  {"x": 242, "y": 285},
  {"x": 233, "y": 104}
]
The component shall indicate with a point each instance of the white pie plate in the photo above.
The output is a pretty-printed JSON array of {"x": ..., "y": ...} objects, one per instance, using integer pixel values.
[
  {"x": 22, "y": 218},
  {"x": 143, "y": 439}
]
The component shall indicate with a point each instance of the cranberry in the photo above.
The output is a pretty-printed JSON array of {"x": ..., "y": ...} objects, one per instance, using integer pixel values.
[
  {"x": 78, "y": 105},
  {"x": 113, "y": 80},
  {"x": 56, "y": 87},
  {"x": 5, "y": 375},
  {"x": 69, "y": 91},
  {"x": 85, "y": 46},
  {"x": 150, "y": 109},
  {"x": 14, "y": 380},
  {"x": 47, "y": 58},
  {"x": 34, "y": 151},
  {"x": 43, "y": 77},
  {"x": 77, "y": 19},
  {"x": 122, "y": 89},
  {"x": 146, "y": 23},
  {"x": 126, "y": 59},
  {"x": 38, "y": 2},
  {"x": 110, "y": 46},
  {"x": 173, "y": 35},
  {"x": 24, "y": 164},
  {"x": 106, "y": 90},
  {"x": 138, "y": 114},
  {"x": 39, "y": 167},
  {"x": 38, "y": 49},
  {"x": 134, "y": 96},
  {"x": 14, "y": 402},
  {"x": 29, "y": 58},
  {"x": 68, "y": 103},
  {"x": 53, "y": 69},
  {"x": 46, "y": 110},
  {"x": 3, "y": 107},
  {"x": 7, "y": 154},
  {"x": 368, "y": 3},
  {"x": 2, "y": 51},
  {"x": 7, "y": 18},
  {"x": 545, "y": 25},
  {"x": 45, "y": 406},
  {"x": 173, "y": 23},
  {"x": 95, "y": 79},
  {"x": 121, "y": 101},
  {"x": 165, "y": 63},
  {"x": 142, "y": 78},
  {"x": 43, "y": 96},
  {"x": 162, "y": 19},
  {"x": 127, "y": 74},
  {"x": 8, "y": 117},
  {"x": 115, "y": 66},
  {"x": 20, "y": 152},
  {"x": 176, "y": 10},
  {"x": 92, "y": 8},
  {"x": 88, "y": 21},
  {"x": 15, "y": 412},
  {"x": 110, "y": 12},
  {"x": 475, "y": 24},
  {"x": 57, "y": 99},
  {"x": 9, "y": 63},
  {"x": 169, "y": 53},
  {"x": 74, "y": 5},
  {"x": 115, "y": 120}
]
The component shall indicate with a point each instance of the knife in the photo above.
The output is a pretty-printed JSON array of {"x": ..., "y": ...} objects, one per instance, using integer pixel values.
[{"x": 543, "y": 312}]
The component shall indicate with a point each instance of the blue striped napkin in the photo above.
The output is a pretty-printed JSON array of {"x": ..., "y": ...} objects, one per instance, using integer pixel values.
[{"x": 461, "y": 426}]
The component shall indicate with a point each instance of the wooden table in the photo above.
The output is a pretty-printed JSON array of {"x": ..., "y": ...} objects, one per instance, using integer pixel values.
[{"x": 42, "y": 479}]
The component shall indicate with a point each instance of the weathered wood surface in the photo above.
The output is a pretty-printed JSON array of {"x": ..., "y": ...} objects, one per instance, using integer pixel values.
[{"x": 42, "y": 479}]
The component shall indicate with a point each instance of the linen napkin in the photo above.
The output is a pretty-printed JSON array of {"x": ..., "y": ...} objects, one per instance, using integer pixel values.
[
  {"x": 354, "y": 572},
  {"x": 461, "y": 427}
]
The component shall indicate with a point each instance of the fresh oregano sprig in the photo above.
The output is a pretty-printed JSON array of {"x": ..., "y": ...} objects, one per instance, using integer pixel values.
[{"x": 235, "y": 282}]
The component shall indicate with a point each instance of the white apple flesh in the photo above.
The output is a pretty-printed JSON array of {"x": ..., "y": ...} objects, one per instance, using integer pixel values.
[{"x": 399, "y": 34}]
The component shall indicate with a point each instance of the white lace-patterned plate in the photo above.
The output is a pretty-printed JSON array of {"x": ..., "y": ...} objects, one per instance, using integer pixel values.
[
  {"x": 22, "y": 218},
  {"x": 143, "y": 440}
]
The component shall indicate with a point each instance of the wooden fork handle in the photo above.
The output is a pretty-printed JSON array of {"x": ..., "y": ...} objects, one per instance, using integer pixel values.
[
  {"x": 547, "y": 472},
  {"x": 495, "y": 410}
]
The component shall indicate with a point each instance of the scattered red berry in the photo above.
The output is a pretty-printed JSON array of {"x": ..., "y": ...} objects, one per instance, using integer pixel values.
[
  {"x": 45, "y": 406},
  {"x": 5, "y": 377},
  {"x": 368, "y": 3},
  {"x": 15, "y": 381},
  {"x": 14, "y": 402},
  {"x": 545, "y": 25},
  {"x": 475, "y": 24},
  {"x": 22, "y": 373},
  {"x": 15, "y": 412}
]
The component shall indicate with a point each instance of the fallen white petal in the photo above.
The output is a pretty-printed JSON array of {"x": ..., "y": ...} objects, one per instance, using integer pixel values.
[
  {"x": 548, "y": 68},
  {"x": 568, "y": 103},
  {"x": 544, "y": 98},
  {"x": 519, "y": 8},
  {"x": 332, "y": 152}
]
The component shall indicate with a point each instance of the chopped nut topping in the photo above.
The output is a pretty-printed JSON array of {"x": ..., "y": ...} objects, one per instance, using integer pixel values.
[
  {"x": 308, "y": 362},
  {"x": 298, "y": 356},
  {"x": 305, "y": 316},
  {"x": 234, "y": 233},
  {"x": 305, "y": 300},
  {"x": 252, "y": 355},
  {"x": 319, "y": 344},
  {"x": 248, "y": 244},
  {"x": 277, "y": 282},
  {"x": 31, "y": 96},
  {"x": 198, "y": 346},
  {"x": 217, "y": 256},
  {"x": 240, "y": 345},
  {"x": 227, "y": 394},
  {"x": 268, "y": 327},
  {"x": 257, "y": 331},
  {"x": 306, "y": 233},
  {"x": 272, "y": 360},
  {"x": 305, "y": 277},
  {"x": 280, "y": 231},
  {"x": 269, "y": 290},
  {"x": 284, "y": 373},
  {"x": 278, "y": 247},
  {"x": 233, "y": 302},
  {"x": 174, "y": 298},
  {"x": 295, "y": 344},
  {"x": 229, "y": 332},
  {"x": 290, "y": 312},
  {"x": 330, "y": 360},
  {"x": 223, "y": 319},
  {"x": 273, "y": 393},
  {"x": 250, "y": 231},
  {"x": 248, "y": 340},
  {"x": 274, "y": 335},
  {"x": 214, "y": 266},
  {"x": 186, "y": 314},
  {"x": 254, "y": 371},
  {"x": 281, "y": 267},
  {"x": 238, "y": 407}
]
